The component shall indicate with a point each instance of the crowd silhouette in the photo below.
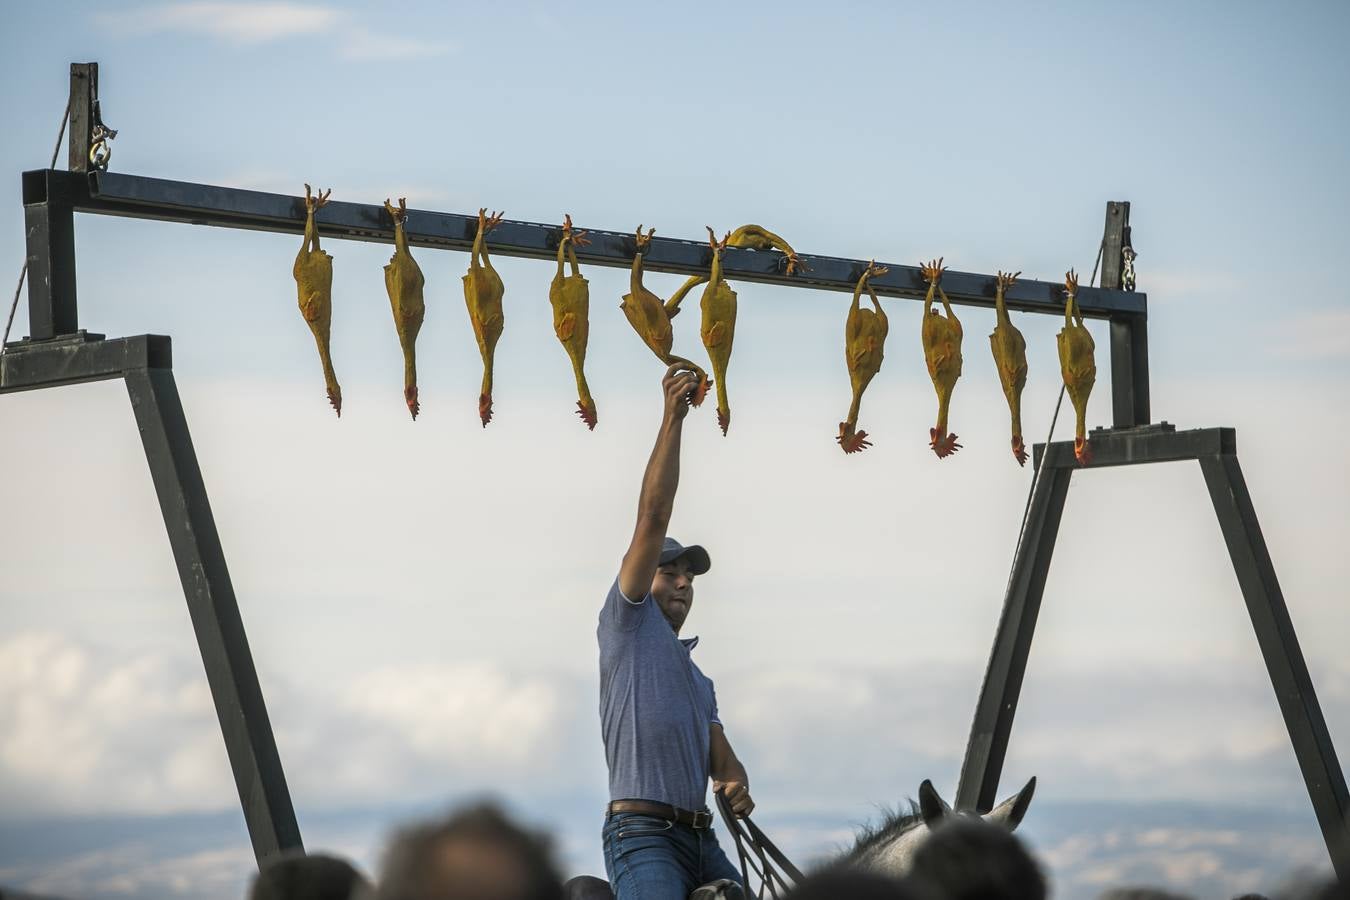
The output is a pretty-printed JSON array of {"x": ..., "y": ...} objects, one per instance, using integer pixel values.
[{"x": 479, "y": 853}]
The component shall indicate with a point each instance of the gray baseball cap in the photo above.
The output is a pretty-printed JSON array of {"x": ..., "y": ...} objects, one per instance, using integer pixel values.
[{"x": 697, "y": 556}]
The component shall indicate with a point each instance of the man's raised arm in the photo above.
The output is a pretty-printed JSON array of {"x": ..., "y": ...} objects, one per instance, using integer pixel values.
[{"x": 662, "y": 477}]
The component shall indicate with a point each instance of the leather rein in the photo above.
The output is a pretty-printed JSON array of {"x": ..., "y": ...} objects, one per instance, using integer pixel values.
[{"x": 756, "y": 853}]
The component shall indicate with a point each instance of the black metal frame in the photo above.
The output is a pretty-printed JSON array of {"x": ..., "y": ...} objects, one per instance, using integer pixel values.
[
  {"x": 146, "y": 364},
  {"x": 1216, "y": 451}
]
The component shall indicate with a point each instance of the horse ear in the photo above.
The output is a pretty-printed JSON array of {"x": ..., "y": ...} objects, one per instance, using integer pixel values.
[
  {"x": 931, "y": 806},
  {"x": 1009, "y": 813}
]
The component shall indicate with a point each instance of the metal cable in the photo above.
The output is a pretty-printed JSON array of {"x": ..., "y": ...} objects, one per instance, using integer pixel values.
[
  {"x": 1036, "y": 475},
  {"x": 23, "y": 273}
]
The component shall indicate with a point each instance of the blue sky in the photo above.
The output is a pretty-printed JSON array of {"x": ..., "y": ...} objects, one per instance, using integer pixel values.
[{"x": 382, "y": 565}]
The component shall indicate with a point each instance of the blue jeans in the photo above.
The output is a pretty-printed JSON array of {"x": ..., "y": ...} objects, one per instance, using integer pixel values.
[{"x": 648, "y": 858}]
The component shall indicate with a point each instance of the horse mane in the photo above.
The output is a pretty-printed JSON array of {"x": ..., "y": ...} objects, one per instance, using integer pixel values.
[{"x": 894, "y": 822}]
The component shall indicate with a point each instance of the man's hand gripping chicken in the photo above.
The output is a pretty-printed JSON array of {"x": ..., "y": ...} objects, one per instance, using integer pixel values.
[{"x": 651, "y": 318}]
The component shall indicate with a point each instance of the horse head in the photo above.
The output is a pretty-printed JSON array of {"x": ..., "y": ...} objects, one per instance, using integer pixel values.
[{"x": 889, "y": 848}]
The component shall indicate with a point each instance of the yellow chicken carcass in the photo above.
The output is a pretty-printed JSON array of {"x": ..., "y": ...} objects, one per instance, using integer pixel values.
[
  {"x": 1077, "y": 365},
  {"x": 404, "y": 282},
  {"x": 313, "y": 271},
  {"x": 1010, "y": 358},
  {"x": 756, "y": 237},
  {"x": 570, "y": 296},
  {"x": 864, "y": 339},
  {"x": 483, "y": 291},
  {"x": 942, "y": 351},
  {"x": 719, "y": 327},
  {"x": 651, "y": 318}
]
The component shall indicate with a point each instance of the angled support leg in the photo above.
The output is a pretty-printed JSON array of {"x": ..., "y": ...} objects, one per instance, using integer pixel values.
[
  {"x": 1008, "y": 661},
  {"x": 215, "y": 614},
  {"x": 1284, "y": 660}
]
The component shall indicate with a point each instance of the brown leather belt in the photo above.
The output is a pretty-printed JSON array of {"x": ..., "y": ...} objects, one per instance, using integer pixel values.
[{"x": 699, "y": 820}]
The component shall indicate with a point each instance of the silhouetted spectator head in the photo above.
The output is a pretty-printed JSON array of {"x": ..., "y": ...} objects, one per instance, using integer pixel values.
[
  {"x": 475, "y": 854},
  {"x": 296, "y": 876},
  {"x": 833, "y": 884},
  {"x": 969, "y": 859},
  {"x": 1142, "y": 893}
]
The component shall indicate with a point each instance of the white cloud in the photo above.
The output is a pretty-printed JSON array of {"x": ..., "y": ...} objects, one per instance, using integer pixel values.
[
  {"x": 244, "y": 23},
  {"x": 1313, "y": 336},
  {"x": 89, "y": 732},
  {"x": 259, "y": 23},
  {"x": 84, "y": 732},
  {"x": 365, "y": 46},
  {"x": 136, "y": 869}
]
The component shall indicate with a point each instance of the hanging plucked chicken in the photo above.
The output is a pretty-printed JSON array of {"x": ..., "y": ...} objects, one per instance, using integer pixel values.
[
  {"x": 651, "y": 318},
  {"x": 313, "y": 271},
  {"x": 1010, "y": 358},
  {"x": 1077, "y": 365},
  {"x": 864, "y": 341},
  {"x": 404, "y": 282},
  {"x": 483, "y": 291},
  {"x": 942, "y": 351},
  {"x": 719, "y": 327},
  {"x": 756, "y": 237},
  {"x": 570, "y": 297}
]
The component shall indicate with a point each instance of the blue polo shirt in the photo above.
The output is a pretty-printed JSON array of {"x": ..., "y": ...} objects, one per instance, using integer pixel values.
[{"x": 655, "y": 706}]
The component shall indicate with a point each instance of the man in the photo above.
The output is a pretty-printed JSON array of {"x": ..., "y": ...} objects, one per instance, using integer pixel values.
[{"x": 658, "y": 712}]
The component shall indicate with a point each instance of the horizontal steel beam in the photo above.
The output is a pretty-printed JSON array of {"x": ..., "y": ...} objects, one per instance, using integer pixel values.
[
  {"x": 1145, "y": 444},
  {"x": 111, "y": 193},
  {"x": 29, "y": 365}
]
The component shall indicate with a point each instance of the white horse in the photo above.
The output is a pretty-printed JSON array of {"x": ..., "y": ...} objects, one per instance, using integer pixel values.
[{"x": 887, "y": 849}]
